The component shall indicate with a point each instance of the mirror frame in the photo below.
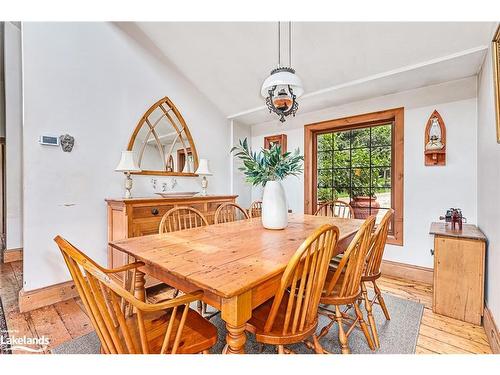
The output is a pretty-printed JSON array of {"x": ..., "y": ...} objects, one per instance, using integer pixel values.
[{"x": 143, "y": 121}]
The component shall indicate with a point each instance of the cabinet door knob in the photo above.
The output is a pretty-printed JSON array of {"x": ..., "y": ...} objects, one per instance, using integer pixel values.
[{"x": 155, "y": 211}]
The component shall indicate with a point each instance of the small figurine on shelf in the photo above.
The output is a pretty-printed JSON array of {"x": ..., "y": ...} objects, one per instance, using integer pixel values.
[{"x": 454, "y": 217}]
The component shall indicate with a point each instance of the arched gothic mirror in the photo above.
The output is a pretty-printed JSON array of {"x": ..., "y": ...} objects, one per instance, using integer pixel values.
[{"x": 162, "y": 143}]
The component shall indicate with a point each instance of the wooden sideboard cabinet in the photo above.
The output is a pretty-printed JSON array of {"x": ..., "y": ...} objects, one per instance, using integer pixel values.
[
  {"x": 141, "y": 216},
  {"x": 459, "y": 261}
]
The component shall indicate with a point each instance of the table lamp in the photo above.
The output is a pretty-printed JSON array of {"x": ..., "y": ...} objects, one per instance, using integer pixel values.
[
  {"x": 127, "y": 165},
  {"x": 204, "y": 171}
]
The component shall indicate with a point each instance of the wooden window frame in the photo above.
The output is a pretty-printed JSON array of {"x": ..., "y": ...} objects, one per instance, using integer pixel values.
[{"x": 311, "y": 131}]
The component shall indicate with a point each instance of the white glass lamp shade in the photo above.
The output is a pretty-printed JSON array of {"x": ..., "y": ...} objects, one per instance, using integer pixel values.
[
  {"x": 203, "y": 169},
  {"x": 282, "y": 79},
  {"x": 435, "y": 130},
  {"x": 127, "y": 163}
]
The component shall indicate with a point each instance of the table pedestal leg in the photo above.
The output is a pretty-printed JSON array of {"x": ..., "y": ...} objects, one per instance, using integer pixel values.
[
  {"x": 236, "y": 311},
  {"x": 235, "y": 339}
]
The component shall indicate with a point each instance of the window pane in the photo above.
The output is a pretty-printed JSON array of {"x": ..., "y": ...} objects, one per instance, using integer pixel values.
[
  {"x": 325, "y": 159},
  {"x": 341, "y": 177},
  {"x": 342, "y": 140},
  {"x": 341, "y": 159},
  {"x": 382, "y": 135},
  {"x": 325, "y": 142},
  {"x": 324, "y": 194},
  {"x": 361, "y": 181},
  {"x": 381, "y": 177},
  {"x": 360, "y": 137},
  {"x": 379, "y": 215},
  {"x": 383, "y": 197},
  {"x": 360, "y": 157},
  {"x": 381, "y": 156},
  {"x": 325, "y": 178},
  {"x": 342, "y": 193}
]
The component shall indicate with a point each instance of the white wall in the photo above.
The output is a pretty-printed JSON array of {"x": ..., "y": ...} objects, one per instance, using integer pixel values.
[
  {"x": 489, "y": 184},
  {"x": 93, "y": 81},
  {"x": 13, "y": 136},
  {"x": 428, "y": 191}
]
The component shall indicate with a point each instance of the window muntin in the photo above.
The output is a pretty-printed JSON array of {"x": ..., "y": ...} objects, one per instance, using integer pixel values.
[{"x": 356, "y": 162}]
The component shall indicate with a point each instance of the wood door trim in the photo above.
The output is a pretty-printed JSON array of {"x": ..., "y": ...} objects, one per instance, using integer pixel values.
[{"x": 395, "y": 115}]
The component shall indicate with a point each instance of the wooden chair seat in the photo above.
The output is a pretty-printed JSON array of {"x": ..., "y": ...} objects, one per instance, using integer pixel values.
[
  {"x": 274, "y": 337},
  {"x": 198, "y": 334},
  {"x": 333, "y": 298}
]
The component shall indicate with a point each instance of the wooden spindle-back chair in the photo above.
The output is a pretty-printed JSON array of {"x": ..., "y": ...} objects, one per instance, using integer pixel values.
[
  {"x": 127, "y": 325},
  {"x": 343, "y": 287},
  {"x": 229, "y": 212},
  {"x": 181, "y": 218},
  {"x": 255, "y": 209},
  {"x": 372, "y": 272},
  {"x": 292, "y": 315},
  {"x": 335, "y": 208}
]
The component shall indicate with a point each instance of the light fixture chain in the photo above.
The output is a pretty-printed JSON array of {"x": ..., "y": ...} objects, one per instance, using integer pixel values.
[
  {"x": 290, "y": 44},
  {"x": 279, "y": 44}
]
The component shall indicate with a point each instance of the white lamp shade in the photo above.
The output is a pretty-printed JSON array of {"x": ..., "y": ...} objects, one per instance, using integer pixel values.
[
  {"x": 282, "y": 78},
  {"x": 127, "y": 163},
  {"x": 203, "y": 169}
]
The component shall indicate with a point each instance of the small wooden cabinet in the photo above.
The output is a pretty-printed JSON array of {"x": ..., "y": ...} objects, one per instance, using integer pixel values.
[
  {"x": 141, "y": 216},
  {"x": 459, "y": 261}
]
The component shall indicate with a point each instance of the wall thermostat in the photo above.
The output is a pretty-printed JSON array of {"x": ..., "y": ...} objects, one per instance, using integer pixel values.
[{"x": 48, "y": 140}]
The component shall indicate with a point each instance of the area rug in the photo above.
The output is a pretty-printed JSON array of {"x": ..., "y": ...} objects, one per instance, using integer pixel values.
[
  {"x": 397, "y": 336},
  {"x": 4, "y": 333}
]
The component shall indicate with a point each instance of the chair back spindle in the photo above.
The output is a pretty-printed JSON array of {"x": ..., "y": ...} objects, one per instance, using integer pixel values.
[
  {"x": 352, "y": 263},
  {"x": 229, "y": 212},
  {"x": 107, "y": 304},
  {"x": 180, "y": 218},
  {"x": 335, "y": 208},
  {"x": 255, "y": 209},
  {"x": 304, "y": 277},
  {"x": 377, "y": 245}
]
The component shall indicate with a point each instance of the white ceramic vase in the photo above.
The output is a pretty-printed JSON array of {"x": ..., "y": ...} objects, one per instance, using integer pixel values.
[{"x": 274, "y": 206}]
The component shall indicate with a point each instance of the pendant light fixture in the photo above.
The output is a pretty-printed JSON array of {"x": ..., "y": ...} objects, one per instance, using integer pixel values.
[{"x": 282, "y": 88}]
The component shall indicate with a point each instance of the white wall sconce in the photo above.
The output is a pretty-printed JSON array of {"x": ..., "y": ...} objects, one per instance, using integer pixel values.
[
  {"x": 204, "y": 171},
  {"x": 127, "y": 165}
]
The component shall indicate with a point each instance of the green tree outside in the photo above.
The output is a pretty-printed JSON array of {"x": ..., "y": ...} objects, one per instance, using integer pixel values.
[{"x": 354, "y": 162}]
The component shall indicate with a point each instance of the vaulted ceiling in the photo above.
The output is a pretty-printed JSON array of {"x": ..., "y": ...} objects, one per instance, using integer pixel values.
[{"x": 338, "y": 62}]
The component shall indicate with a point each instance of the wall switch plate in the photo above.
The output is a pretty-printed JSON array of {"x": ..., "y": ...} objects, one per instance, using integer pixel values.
[{"x": 48, "y": 140}]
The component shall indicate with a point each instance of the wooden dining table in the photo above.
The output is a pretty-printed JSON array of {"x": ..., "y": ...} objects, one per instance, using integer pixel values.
[{"x": 238, "y": 265}]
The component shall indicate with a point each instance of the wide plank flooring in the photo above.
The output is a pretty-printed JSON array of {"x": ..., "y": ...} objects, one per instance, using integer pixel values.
[{"x": 67, "y": 320}]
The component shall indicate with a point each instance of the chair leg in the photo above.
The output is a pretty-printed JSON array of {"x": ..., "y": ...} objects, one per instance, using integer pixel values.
[
  {"x": 371, "y": 320},
  {"x": 176, "y": 293},
  {"x": 281, "y": 349},
  {"x": 364, "y": 327},
  {"x": 326, "y": 328},
  {"x": 381, "y": 300},
  {"x": 317, "y": 346},
  {"x": 342, "y": 336},
  {"x": 200, "y": 308}
]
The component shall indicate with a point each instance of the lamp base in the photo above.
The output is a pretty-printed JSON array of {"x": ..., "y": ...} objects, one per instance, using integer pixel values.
[{"x": 128, "y": 186}]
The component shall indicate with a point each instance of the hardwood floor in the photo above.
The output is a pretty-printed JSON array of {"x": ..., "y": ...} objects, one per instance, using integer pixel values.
[{"x": 67, "y": 320}]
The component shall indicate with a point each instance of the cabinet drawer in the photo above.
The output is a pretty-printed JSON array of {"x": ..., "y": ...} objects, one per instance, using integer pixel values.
[{"x": 150, "y": 211}]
